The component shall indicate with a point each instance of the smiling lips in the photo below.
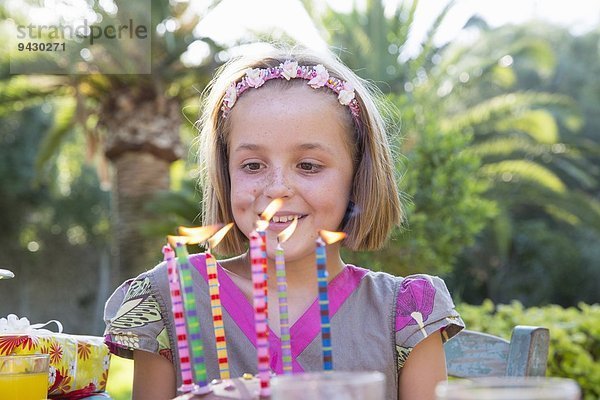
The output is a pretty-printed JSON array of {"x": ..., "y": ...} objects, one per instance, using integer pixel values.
[{"x": 286, "y": 218}]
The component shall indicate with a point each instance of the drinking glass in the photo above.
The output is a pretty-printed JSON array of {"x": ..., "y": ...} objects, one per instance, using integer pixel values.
[
  {"x": 509, "y": 389},
  {"x": 24, "y": 377},
  {"x": 329, "y": 385}
]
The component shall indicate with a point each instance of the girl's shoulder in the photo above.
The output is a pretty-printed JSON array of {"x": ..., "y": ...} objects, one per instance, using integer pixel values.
[
  {"x": 424, "y": 305},
  {"x": 402, "y": 282},
  {"x": 417, "y": 300},
  {"x": 405, "y": 285},
  {"x": 135, "y": 315}
]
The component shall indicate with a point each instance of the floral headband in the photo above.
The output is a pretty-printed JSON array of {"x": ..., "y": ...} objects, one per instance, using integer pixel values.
[{"x": 316, "y": 76}]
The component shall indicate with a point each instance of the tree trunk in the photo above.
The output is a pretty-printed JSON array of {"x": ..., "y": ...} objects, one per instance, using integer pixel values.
[
  {"x": 138, "y": 177},
  {"x": 142, "y": 141}
]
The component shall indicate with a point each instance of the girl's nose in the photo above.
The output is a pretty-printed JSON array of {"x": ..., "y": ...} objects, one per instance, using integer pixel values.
[{"x": 277, "y": 185}]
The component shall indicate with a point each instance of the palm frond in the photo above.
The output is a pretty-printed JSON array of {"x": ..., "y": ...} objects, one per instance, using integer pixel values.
[
  {"x": 539, "y": 124},
  {"x": 64, "y": 120},
  {"x": 502, "y": 106},
  {"x": 537, "y": 52},
  {"x": 506, "y": 147},
  {"x": 580, "y": 174},
  {"x": 572, "y": 206},
  {"x": 524, "y": 170},
  {"x": 575, "y": 208},
  {"x": 23, "y": 91}
]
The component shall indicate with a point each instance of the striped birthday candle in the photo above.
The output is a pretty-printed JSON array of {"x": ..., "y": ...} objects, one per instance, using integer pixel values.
[
  {"x": 284, "y": 323},
  {"x": 259, "y": 283},
  {"x": 192, "y": 320},
  {"x": 178, "y": 314},
  {"x": 324, "y": 305},
  {"x": 217, "y": 314}
]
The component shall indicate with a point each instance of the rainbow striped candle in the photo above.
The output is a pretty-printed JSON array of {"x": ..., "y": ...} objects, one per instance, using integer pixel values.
[
  {"x": 217, "y": 314},
  {"x": 258, "y": 259},
  {"x": 192, "y": 321},
  {"x": 284, "y": 323},
  {"x": 324, "y": 305},
  {"x": 263, "y": 249},
  {"x": 214, "y": 234},
  {"x": 178, "y": 314}
]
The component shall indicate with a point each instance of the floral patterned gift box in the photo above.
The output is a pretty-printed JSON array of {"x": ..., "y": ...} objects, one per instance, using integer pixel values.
[{"x": 78, "y": 364}]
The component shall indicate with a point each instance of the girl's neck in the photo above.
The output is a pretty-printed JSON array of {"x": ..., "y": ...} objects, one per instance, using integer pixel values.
[
  {"x": 301, "y": 276},
  {"x": 305, "y": 271},
  {"x": 299, "y": 273}
]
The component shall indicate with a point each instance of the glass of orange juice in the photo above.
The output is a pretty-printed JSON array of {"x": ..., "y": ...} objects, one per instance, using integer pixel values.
[{"x": 24, "y": 377}]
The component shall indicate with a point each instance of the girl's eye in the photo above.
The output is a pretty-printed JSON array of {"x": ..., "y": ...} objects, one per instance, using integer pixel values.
[
  {"x": 251, "y": 166},
  {"x": 308, "y": 167}
]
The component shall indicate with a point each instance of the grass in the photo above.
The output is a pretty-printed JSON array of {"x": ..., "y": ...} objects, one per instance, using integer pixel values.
[{"x": 120, "y": 378}]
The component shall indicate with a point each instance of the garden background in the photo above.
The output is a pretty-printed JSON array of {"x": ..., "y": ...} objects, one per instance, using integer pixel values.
[{"x": 498, "y": 132}]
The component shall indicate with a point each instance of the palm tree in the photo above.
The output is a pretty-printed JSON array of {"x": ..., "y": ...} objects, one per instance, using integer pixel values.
[
  {"x": 132, "y": 122},
  {"x": 542, "y": 168}
]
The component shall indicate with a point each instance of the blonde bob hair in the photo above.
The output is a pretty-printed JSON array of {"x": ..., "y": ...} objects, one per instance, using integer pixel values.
[{"x": 375, "y": 202}]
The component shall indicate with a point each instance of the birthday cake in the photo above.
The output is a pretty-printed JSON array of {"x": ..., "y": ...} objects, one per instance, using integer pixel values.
[{"x": 244, "y": 388}]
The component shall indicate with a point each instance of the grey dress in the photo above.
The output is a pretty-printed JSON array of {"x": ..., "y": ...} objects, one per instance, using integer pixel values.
[{"x": 376, "y": 320}]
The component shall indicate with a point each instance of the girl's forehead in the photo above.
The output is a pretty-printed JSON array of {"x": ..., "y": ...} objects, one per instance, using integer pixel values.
[
  {"x": 294, "y": 113},
  {"x": 279, "y": 99}
]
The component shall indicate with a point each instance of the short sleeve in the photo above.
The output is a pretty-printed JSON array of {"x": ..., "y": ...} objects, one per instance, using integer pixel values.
[
  {"x": 423, "y": 306},
  {"x": 134, "y": 320}
]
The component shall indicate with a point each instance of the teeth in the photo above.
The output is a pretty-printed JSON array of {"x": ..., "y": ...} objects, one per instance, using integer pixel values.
[{"x": 284, "y": 218}]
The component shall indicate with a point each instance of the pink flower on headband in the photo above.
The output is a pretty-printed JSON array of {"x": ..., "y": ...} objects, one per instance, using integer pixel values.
[
  {"x": 289, "y": 69},
  {"x": 320, "y": 77},
  {"x": 230, "y": 96},
  {"x": 255, "y": 77},
  {"x": 346, "y": 95}
]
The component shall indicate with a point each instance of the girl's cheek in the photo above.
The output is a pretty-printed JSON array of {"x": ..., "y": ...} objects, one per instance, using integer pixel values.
[
  {"x": 244, "y": 199},
  {"x": 247, "y": 185}
]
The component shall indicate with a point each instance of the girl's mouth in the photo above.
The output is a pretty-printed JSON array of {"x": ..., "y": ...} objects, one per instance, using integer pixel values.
[
  {"x": 286, "y": 218},
  {"x": 281, "y": 221}
]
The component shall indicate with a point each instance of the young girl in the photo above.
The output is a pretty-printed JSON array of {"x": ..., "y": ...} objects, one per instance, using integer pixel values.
[{"x": 305, "y": 129}]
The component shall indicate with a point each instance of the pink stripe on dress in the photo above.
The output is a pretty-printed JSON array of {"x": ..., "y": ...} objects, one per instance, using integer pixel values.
[{"x": 304, "y": 330}]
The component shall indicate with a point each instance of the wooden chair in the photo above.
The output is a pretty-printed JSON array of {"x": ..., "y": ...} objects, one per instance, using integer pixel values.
[{"x": 475, "y": 355}]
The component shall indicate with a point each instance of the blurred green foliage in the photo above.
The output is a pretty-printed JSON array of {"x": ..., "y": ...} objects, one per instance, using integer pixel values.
[
  {"x": 445, "y": 207},
  {"x": 120, "y": 378},
  {"x": 68, "y": 203},
  {"x": 574, "y": 336}
]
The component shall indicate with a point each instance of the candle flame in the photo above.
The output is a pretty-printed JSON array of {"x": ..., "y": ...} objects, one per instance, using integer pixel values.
[
  {"x": 217, "y": 237},
  {"x": 262, "y": 225},
  {"x": 174, "y": 240},
  {"x": 271, "y": 209},
  {"x": 330, "y": 237},
  {"x": 202, "y": 233},
  {"x": 287, "y": 232}
]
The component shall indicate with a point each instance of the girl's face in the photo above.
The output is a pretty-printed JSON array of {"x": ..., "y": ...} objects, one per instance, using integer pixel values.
[{"x": 293, "y": 144}]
